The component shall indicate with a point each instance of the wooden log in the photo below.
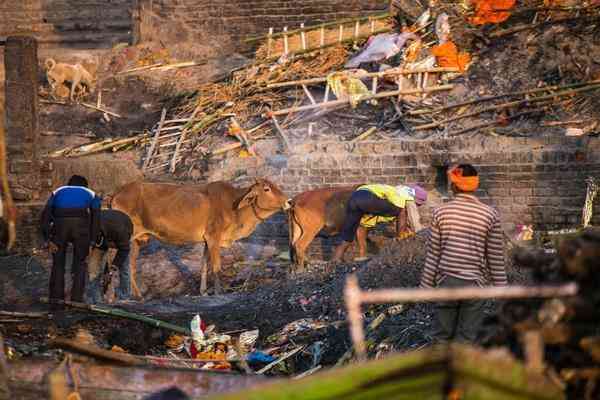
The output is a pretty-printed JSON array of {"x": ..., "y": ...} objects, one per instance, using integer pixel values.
[
  {"x": 103, "y": 382},
  {"x": 347, "y": 101}
]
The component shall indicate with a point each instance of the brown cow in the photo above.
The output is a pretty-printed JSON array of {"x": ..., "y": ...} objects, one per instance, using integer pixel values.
[
  {"x": 216, "y": 214},
  {"x": 7, "y": 207},
  {"x": 316, "y": 210}
]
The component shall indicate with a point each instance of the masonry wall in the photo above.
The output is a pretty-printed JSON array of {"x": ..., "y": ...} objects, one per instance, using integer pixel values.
[
  {"x": 103, "y": 23},
  {"x": 530, "y": 181}
]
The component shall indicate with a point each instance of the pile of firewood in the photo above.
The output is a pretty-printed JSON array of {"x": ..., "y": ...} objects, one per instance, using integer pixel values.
[{"x": 565, "y": 331}]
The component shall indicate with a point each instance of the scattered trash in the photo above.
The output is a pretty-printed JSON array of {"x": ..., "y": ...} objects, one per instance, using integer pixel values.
[
  {"x": 381, "y": 47},
  {"x": 259, "y": 357}
]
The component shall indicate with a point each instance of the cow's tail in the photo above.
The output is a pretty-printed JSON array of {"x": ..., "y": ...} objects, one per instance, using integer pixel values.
[{"x": 291, "y": 220}]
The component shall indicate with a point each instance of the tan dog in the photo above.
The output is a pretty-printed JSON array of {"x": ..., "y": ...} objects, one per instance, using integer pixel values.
[{"x": 77, "y": 75}]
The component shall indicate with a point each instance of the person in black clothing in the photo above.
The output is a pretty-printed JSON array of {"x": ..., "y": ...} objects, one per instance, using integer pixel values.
[
  {"x": 116, "y": 229},
  {"x": 70, "y": 216}
]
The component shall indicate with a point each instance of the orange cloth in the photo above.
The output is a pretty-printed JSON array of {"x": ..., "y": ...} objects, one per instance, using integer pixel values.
[
  {"x": 464, "y": 183},
  {"x": 447, "y": 56},
  {"x": 491, "y": 11}
]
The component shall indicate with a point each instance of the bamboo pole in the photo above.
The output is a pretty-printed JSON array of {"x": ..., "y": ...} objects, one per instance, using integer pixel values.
[
  {"x": 341, "y": 34},
  {"x": 154, "y": 140},
  {"x": 282, "y": 134},
  {"x": 364, "y": 135},
  {"x": 347, "y": 101},
  {"x": 489, "y": 98},
  {"x": 269, "y": 41},
  {"x": 322, "y": 38},
  {"x": 507, "y": 105},
  {"x": 115, "y": 312},
  {"x": 323, "y": 26},
  {"x": 309, "y": 95},
  {"x": 96, "y": 352},
  {"x": 285, "y": 41},
  {"x": 389, "y": 72},
  {"x": 303, "y": 36},
  {"x": 354, "y": 297}
]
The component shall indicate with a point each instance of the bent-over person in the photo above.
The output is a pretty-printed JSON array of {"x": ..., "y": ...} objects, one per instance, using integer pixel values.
[
  {"x": 116, "y": 229},
  {"x": 370, "y": 204},
  {"x": 70, "y": 216},
  {"x": 465, "y": 248}
]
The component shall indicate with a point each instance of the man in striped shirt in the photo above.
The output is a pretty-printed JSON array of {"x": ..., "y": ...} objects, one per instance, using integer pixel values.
[{"x": 465, "y": 248}]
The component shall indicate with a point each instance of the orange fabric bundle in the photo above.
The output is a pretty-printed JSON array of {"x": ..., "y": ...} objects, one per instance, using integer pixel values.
[
  {"x": 491, "y": 11},
  {"x": 447, "y": 56},
  {"x": 463, "y": 183}
]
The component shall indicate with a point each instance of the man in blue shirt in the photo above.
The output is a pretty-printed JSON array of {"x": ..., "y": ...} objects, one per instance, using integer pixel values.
[{"x": 71, "y": 215}]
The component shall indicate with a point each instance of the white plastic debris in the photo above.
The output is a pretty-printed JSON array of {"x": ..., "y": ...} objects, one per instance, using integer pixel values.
[
  {"x": 248, "y": 339},
  {"x": 381, "y": 47},
  {"x": 442, "y": 28},
  {"x": 196, "y": 328}
]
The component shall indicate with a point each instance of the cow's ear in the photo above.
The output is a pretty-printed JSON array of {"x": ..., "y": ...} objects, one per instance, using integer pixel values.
[{"x": 247, "y": 199}]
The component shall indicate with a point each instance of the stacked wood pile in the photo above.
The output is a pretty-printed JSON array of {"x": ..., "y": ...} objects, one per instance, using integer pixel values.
[{"x": 565, "y": 331}]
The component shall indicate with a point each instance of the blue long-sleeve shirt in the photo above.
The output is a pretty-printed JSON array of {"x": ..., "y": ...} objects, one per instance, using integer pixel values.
[{"x": 72, "y": 201}]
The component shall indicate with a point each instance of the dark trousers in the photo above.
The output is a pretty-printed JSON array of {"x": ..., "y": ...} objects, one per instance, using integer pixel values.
[
  {"x": 459, "y": 320},
  {"x": 75, "y": 230},
  {"x": 364, "y": 202}
]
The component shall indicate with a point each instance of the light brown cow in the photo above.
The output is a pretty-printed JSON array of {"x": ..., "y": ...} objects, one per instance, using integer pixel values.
[
  {"x": 316, "y": 210},
  {"x": 7, "y": 207},
  {"x": 216, "y": 214}
]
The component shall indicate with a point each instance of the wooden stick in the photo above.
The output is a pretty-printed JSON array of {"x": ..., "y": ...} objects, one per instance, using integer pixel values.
[
  {"x": 521, "y": 28},
  {"x": 23, "y": 315},
  {"x": 372, "y": 22},
  {"x": 96, "y": 352},
  {"x": 279, "y": 360},
  {"x": 285, "y": 41},
  {"x": 154, "y": 140},
  {"x": 326, "y": 97},
  {"x": 104, "y": 110},
  {"x": 115, "y": 312},
  {"x": 308, "y": 94},
  {"x": 282, "y": 134},
  {"x": 374, "y": 85},
  {"x": 347, "y": 101},
  {"x": 494, "y": 123},
  {"x": 139, "y": 69},
  {"x": 489, "y": 98},
  {"x": 99, "y": 100},
  {"x": 322, "y": 39},
  {"x": 341, "y": 35},
  {"x": 269, "y": 41},
  {"x": 303, "y": 37},
  {"x": 309, "y": 372},
  {"x": 364, "y": 135},
  {"x": 319, "y": 26},
  {"x": 467, "y": 293},
  {"x": 356, "y": 29},
  {"x": 353, "y": 299},
  {"x": 507, "y": 105},
  {"x": 389, "y": 72}
]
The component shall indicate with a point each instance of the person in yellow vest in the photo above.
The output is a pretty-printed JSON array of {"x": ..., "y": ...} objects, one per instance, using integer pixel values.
[{"x": 375, "y": 203}]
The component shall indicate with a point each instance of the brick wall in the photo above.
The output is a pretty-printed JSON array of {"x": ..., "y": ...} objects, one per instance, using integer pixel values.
[
  {"x": 237, "y": 19},
  {"x": 537, "y": 181},
  {"x": 69, "y": 23},
  {"x": 102, "y": 23}
]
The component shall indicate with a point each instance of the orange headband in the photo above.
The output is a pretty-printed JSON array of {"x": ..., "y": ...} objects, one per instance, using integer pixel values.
[{"x": 463, "y": 183}]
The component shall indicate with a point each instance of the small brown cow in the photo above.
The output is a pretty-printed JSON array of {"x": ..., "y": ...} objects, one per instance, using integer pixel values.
[
  {"x": 216, "y": 214},
  {"x": 316, "y": 210},
  {"x": 7, "y": 207}
]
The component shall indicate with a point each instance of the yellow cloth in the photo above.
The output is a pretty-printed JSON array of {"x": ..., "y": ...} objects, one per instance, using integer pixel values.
[
  {"x": 393, "y": 194},
  {"x": 346, "y": 86}
]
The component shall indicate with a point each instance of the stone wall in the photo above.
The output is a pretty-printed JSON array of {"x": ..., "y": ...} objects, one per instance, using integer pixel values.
[
  {"x": 103, "y": 23},
  {"x": 69, "y": 23},
  {"x": 531, "y": 181}
]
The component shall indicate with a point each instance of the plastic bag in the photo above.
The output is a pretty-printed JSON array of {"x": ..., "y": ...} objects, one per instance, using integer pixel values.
[
  {"x": 381, "y": 47},
  {"x": 346, "y": 86},
  {"x": 491, "y": 11},
  {"x": 447, "y": 56},
  {"x": 442, "y": 28}
]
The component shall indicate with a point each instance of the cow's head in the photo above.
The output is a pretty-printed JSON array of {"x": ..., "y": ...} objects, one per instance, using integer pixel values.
[{"x": 265, "y": 195}]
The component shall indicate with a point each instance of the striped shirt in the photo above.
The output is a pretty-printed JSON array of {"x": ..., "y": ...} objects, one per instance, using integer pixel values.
[{"x": 466, "y": 243}]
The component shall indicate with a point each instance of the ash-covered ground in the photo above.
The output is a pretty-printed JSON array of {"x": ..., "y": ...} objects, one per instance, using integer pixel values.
[{"x": 259, "y": 295}]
